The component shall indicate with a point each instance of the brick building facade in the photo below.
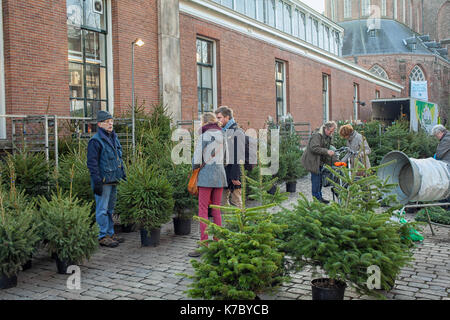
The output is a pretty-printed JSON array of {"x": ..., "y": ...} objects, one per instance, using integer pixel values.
[
  {"x": 408, "y": 42},
  {"x": 73, "y": 57}
]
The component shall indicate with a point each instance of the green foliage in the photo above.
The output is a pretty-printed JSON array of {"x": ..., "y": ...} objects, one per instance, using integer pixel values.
[
  {"x": 68, "y": 228},
  {"x": 290, "y": 166},
  {"x": 345, "y": 239},
  {"x": 74, "y": 174},
  {"x": 437, "y": 215},
  {"x": 184, "y": 203},
  {"x": 146, "y": 197},
  {"x": 18, "y": 231},
  {"x": 241, "y": 263},
  {"x": 31, "y": 172},
  {"x": 259, "y": 186}
]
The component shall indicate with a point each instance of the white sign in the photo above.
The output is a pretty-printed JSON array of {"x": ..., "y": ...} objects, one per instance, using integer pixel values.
[{"x": 419, "y": 90}]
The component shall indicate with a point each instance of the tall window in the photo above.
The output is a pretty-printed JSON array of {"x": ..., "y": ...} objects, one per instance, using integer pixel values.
[
  {"x": 270, "y": 13},
  {"x": 280, "y": 84},
  {"x": 315, "y": 32},
  {"x": 326, "y": 97},
  {"x": 355, "y": 101},
  {"x": 205, "y": 75},
  {"x": 395, "y": 9},
  {"x": 347, "y": 8},
  {"x": 404, "y": 11},
  {"x": 379, "y": 71},
  {"x": 333, "y": 10},
  {"x": 86, "y": 31},
  {"x": 383, "y": 8},
  {"x": 337, "y": 40},
  {"x": 327, "y": 38},
  {"x": 287, "y": 18},
  {"x": 365, "y": 8},
  {"x": 417, "y": 74},
  {"x": 302, "y": 26}
]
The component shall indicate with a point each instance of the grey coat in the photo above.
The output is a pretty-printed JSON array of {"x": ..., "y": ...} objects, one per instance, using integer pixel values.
[
  {"x": 355, "y": 143},
  {"x": 443, "y": 148},
  {"x": 211, "y": 148}
]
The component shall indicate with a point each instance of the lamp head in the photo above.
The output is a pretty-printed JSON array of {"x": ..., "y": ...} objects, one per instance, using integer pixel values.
[{"x": 138, "y": 42}]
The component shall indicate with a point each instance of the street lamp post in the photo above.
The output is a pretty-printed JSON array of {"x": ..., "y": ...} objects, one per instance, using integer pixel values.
[{"x": 138, "y": 42}]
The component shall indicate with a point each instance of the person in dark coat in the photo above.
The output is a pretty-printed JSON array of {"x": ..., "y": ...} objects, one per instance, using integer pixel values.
[
  {"x": 443, "y": 148},
  {"x": 317, "y": 154},
  {"x": 104, "y": 160},
  {"x": 235, "y": 138}
]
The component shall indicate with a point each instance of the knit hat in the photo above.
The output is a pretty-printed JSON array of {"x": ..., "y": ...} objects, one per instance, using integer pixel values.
[{"x": 103, "y": 115}]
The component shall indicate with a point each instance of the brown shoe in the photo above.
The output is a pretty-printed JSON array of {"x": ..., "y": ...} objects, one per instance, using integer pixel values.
[
  {"x": 115, "y": 237},
  {"x": 108, "y": 242}
]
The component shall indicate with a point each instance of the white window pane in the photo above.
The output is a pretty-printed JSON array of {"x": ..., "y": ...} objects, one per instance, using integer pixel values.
[
  {"x": 251, "y": 8},
  {"x": 240, "y": 6},
  {"x": 287, "y": 18},
  {"x": 280, "y": 15},
  {"x": 260, "y": 8},
  {"x": 227, "y": 3},
  {"x": 271, "y": 12},
  {"x": 207, "y": 77},
  {"x": 295, "y": 18}
]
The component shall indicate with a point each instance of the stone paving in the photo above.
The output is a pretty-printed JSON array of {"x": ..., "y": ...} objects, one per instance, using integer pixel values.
[{"x": 132, "y": 272}]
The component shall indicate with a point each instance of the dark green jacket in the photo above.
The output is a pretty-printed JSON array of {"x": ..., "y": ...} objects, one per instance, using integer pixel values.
[{"x": 316, "y": 154}]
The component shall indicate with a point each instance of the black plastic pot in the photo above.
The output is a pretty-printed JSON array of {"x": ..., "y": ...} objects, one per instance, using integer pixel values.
[
  {"x": 272, "y": 190},
  {"x": 319, "y": 292},
  {"x": 291, "y": 187},
  {"x": 8, "y": 282},
  {"x": 62, "y": 265},
  {"x": 127, "y": 228},
  {"x": 182, "y": 227},
  {"x": 150, "y": 239},
  {"x": 27, "y": 265}
]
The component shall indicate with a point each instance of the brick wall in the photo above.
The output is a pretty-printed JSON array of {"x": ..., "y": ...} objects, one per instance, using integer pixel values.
[
  {"x": 133, "y": 19},
  {"x": 246, "y": 78},
  {"x": 398, "y": 68},
  {"x": 35, "y": 48},
  {"x": 356, "y": 10},
  {"x": 36, "y": 55}
]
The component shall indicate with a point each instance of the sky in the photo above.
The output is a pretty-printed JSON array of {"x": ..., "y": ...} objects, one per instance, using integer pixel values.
[{"x": 318, "y": 5}]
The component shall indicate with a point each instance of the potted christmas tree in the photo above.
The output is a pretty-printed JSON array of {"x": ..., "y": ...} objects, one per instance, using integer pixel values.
[
  {"x": 68, "y": 229},
  {"x": 243, "y": 260},
  {"x": 18, "y": 234},
  {"x": 345, "y": 240},
  {"x": 291, "y": 168},
  {"x": 184, "y": 202},
  {"x": 146, "y": 197}
]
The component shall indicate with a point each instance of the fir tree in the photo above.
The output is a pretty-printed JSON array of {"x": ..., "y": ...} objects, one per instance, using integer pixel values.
[{"x": 242, "y": 262}]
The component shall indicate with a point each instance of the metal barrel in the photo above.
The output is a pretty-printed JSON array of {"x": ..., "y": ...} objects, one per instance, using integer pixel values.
[{"x": 416, "y": 179}]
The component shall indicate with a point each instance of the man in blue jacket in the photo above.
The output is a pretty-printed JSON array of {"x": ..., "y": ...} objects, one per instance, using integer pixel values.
[{"x": 104, "y": 160}]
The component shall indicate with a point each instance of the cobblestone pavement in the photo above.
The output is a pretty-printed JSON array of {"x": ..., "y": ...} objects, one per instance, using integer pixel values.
[{"x": 132, "y": 272}]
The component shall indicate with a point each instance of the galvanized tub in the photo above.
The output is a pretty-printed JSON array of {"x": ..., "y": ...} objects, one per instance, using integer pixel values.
[{"x": 416, "y": 179}]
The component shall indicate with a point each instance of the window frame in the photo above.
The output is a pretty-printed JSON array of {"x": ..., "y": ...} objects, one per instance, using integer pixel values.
[
  {"x": 355, "y": 101},
  {"x": 326, "y": 97},
  {"x": 282, "y": 99},
  {"x": 213, "y": 76},
  {"x": 86, "y": 62},
  {"x": 347, "y": 9}
]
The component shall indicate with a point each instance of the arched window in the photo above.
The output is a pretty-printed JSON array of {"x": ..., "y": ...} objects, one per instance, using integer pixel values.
[
  {"x": 417, "y": 74},
  {"x": 379, "y": 71}
]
